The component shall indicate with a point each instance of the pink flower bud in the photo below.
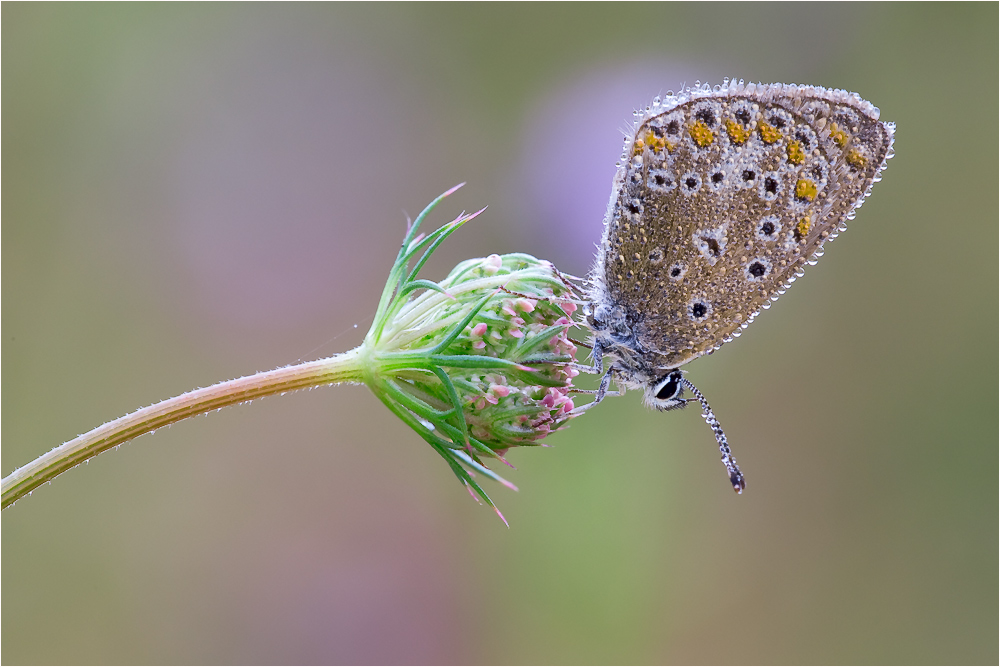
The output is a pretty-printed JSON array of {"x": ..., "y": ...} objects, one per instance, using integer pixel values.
[
  {"x": 492, "y": 264},
  {"x": 499, "y": 390}
]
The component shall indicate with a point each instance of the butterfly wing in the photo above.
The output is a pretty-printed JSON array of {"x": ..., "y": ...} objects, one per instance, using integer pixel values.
[{"x": 721, "y": 199}]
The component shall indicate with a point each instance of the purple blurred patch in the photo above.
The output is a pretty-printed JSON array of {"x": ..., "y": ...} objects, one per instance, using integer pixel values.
[
  {"x": 571, "y": 144},
  {"x": 288, "y": 188}
]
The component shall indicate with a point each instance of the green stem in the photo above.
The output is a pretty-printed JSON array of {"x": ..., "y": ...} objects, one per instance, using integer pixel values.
[{"x": 346, "y": 367}]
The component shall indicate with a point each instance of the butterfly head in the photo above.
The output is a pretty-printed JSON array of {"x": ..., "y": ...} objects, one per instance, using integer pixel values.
[{"x": 666, "y": 392}]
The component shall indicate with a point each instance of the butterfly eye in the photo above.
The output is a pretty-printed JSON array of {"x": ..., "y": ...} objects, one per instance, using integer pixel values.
[
  {"x": 667, "y": 393},
  {"x": 669, "y": 387}
]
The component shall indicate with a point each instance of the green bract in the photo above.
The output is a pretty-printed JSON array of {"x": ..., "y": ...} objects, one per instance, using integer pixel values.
[{"x": 479, "y": 362}]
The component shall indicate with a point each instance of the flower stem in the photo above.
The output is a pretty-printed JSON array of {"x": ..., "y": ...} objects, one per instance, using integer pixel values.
[{"x": 345, "y": 367}]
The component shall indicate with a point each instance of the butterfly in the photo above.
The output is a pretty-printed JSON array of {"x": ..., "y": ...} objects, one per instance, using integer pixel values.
[{"x": 721, "y": 198}]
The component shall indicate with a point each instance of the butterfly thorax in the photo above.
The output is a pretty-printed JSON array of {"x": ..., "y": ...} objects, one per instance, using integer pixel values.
[{"x": 616, "y": 334}]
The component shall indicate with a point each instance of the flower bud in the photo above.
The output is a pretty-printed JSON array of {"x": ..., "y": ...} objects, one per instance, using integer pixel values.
[{"x": 479, "y": 362}]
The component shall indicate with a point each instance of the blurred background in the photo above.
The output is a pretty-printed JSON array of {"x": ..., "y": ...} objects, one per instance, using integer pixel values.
[{"x": 192, "y": 193}]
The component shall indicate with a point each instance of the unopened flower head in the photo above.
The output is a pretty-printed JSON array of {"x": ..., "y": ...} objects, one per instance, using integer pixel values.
[
  {"x": 479, "y": 362},
  {"x": 515, "y": 389}
]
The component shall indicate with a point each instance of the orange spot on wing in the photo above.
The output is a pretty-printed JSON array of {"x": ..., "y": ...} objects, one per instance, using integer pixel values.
[
  {"x": 737, "y": 133},
  {"x": 805, "y": 189},
  {"x": 769, "y": 133},
  {"x": 701, "y": 134},
  {"x": 802, "y": 228},
  {"x": 855, "y": 159},
  {"x": 838, "y": 135},
  {"x": 795, "y": 153}
]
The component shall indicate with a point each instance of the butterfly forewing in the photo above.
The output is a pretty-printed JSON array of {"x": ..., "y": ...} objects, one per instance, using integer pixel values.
[{"x": 722, "y": 198}]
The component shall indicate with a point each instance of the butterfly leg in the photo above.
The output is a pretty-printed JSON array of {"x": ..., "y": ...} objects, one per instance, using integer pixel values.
[
  {"x": 602, "y": 391},
  {"x": 597, "y": 354},
  {"x": 595, "y": 368}
]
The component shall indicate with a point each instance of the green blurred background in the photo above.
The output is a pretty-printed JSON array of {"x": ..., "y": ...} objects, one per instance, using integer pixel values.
[{"x": 196, "y": 192}]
